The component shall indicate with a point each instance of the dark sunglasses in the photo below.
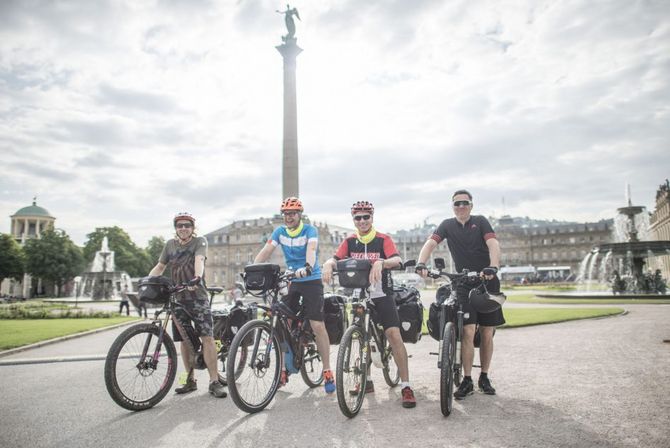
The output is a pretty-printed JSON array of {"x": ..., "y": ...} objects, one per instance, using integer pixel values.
[
  {"x": 462, "y": 203},
  {"x": 184, "y": 225},
  {"x": 364, "y": 217}
]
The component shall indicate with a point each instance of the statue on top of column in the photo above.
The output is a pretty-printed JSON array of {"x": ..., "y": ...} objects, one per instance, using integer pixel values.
[{"x": 290, "y": 24}]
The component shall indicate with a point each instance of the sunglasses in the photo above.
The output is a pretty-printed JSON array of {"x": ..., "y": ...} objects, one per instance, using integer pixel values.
[
  {"x": 462, "y": 203},
  {"x": 289, "y": 213},
  {"x": 183, "y": 225},
  {"x": 362, "y": 217}
]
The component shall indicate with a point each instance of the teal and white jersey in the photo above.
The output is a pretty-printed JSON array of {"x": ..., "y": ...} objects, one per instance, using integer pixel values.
[{"x": 295, "y": 249}]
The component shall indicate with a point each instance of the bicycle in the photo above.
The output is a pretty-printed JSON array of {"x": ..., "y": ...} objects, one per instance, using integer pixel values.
[
  {"x": 450, "y": 326},
  {"x": 364, "y": 343},
  {"x": 282, "y": 337},
  {"x": 141, "y": 364}
]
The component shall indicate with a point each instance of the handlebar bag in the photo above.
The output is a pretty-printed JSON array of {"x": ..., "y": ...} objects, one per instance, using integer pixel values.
[
  {"x": 354, "y": 273},
  {"x": 261, "y": 276},
  {"x": 154, "y": 290}
]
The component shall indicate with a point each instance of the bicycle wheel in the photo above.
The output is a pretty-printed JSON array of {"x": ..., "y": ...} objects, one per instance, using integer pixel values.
[
  {"x": 352, "y": 362},
  {"x": 223, "y": 352},
  {"x": 390, "y": 370},
  {"x": 312, "y": 364},
  {"x": 135, "y": 380},
  {"x": 252, "y": 377},
  {"x": 447, "y": 369}
]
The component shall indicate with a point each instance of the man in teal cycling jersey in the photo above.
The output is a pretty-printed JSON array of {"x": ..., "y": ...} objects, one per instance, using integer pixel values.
[{"x": 299, "y": 242}]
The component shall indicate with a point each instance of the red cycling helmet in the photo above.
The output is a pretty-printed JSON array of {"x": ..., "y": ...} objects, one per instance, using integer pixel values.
[
  {"x": 183, "y": 216},
  {"x": 291, "y": 204},
  {"x": 362, "y": 206}
]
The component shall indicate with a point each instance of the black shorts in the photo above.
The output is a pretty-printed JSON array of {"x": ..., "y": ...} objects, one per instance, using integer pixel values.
[
  {"x": 311, "y": 292},
  {"x": 470, "y": 316},
  {"x": 386, "y": 312},
  {"x": 196, "y": 313}
]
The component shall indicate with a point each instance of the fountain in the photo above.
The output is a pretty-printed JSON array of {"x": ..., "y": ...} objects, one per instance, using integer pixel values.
[
  {"x": 102, "y": 281},
  {"x": 619, "y": 267}
]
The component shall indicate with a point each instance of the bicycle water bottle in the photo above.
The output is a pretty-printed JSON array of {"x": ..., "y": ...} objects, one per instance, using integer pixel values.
[{"x": 375, "y": 355}]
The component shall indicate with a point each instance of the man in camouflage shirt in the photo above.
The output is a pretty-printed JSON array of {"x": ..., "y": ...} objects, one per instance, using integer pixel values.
[{"x": 186, "y": 254}]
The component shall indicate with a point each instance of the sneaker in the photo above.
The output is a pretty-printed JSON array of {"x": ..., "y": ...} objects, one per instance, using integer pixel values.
[
  {"x": 408, "y": 400},
  {"x": 485, "y": 385},
  {"x": 329, "y": 381},
  {"x": 283, "y": 378},
  {"x": 369, "y": 388},
  {"x": 217, "y": 389},
  {"x": 466, "y": 388},
  {"x": 190, "y": 386}
]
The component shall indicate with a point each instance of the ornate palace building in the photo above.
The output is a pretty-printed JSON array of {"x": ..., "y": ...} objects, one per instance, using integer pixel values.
[
  {"x": 659, "y": 222},
  {"x": 234, "y": 246}
]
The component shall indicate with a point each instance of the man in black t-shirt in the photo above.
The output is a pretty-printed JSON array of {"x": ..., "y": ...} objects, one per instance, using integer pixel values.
[{"x": 473, "y": 246}]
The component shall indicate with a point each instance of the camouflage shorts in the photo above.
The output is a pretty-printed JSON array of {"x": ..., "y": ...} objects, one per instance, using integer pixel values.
[{"x": 194, "y": 313}]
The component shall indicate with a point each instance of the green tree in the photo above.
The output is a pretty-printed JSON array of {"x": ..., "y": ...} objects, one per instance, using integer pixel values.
[
  {"x": 12, "y": 258},
  {"x": 155, "y": 248},
  {"x": 127, "y": 256},
  {"x": 54, "y": 257}
]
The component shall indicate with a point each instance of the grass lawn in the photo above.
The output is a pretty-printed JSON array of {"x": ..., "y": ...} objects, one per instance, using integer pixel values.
[
  {"x": 521, "y": 317},
  {"x": 18, "y": 332},
  {"x": 532, "y": 298}
]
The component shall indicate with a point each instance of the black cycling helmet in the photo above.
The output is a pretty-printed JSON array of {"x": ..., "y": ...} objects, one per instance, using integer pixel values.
[{"x": 485, "y": 302}]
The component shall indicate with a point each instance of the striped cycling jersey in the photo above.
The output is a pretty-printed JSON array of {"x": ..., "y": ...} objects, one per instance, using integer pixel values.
[{"x": 295, "y": 249}]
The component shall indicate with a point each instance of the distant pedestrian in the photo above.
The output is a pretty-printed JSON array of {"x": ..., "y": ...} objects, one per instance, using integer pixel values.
[
  {"x": 142, "y": 308},
  {"x": 124, "y": 301}
]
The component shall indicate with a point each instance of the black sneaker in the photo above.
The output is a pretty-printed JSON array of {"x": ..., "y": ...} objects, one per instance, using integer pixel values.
[
  {"x": 485, "y": 385},
  {"x": 190, "y": 386},
  {"x": 466, "y": 388},
  {"x": 217, "y": 389}
]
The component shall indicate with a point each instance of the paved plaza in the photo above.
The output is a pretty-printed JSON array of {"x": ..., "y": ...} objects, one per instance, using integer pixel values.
[{"x": 601, "y": 382}]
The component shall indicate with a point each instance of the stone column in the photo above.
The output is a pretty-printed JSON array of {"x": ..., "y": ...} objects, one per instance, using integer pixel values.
[{"x": 290, "y": 176}]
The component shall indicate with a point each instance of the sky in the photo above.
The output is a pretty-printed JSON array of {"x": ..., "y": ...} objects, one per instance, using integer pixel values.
[{"x": 126, "y": 112}]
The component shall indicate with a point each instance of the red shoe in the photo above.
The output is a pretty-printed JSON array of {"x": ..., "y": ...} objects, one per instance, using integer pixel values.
[{"x": 408, "y": 400}]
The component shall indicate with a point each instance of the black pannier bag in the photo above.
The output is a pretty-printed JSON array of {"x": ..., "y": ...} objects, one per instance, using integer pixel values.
[
  {"x": 261, "y": 276},
  {"x": 333, "y": 317},
  {"x": 410, "y": 312},
  {"x": 354, "y": 273},
  {"x": 154, "y": 290},
  {"x": 228, "y": 321},
  {"x": 433, "y": 322}
]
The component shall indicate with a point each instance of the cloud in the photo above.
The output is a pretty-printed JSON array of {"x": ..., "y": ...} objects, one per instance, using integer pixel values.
[{"x": 124, "y": 112}]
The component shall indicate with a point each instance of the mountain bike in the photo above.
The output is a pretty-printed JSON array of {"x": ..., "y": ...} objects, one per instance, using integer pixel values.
[
  {"x": 364, "y": 343},
  {"x": 281, "y": 337},
  {"x": 450, "y": 327},
  {"x": 141, "y": 363}
]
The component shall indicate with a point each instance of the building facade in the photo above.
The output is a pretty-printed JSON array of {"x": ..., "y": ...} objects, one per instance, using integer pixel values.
[
  {"x": 659, "y": 223},
  {"x": 234, "y": 246}
]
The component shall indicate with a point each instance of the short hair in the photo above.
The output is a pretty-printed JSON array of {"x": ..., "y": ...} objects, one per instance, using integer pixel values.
[{"x": 457, "y": 192}]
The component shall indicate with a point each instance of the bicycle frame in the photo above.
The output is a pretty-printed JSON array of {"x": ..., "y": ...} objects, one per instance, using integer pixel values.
[{"x": 363, "y": 310}]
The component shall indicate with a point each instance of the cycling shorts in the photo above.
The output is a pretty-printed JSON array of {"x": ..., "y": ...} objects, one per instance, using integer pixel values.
[
  {"x": 312, "y": 298},
  {"x": 195, "y": 313},
  {"x": 386, "y": 312},
  {"x": 471, "y": 316}
]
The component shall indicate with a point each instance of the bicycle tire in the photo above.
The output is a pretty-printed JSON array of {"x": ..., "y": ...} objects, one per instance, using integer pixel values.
[
  {"x": 254, "y": 397},
  {"x": 311, "y": 369},
  {"x": 390, "y": 369},
  {"x": 352, "y": 365},
  {"x": 447, "y": 369},
  {"x": 137, "y": 384},
  {"x": 223, "y": 356}
]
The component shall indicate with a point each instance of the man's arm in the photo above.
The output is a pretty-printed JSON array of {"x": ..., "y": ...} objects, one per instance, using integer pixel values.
[
  {"x": 199, "y": 265},
  {"x": 264, "y": 254},
  {"x": 494, "y": 252},
  {"x": 310, "y": 259},
  {"x": 158, "y": 269},
  {"x": 427, "y": 249}
]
